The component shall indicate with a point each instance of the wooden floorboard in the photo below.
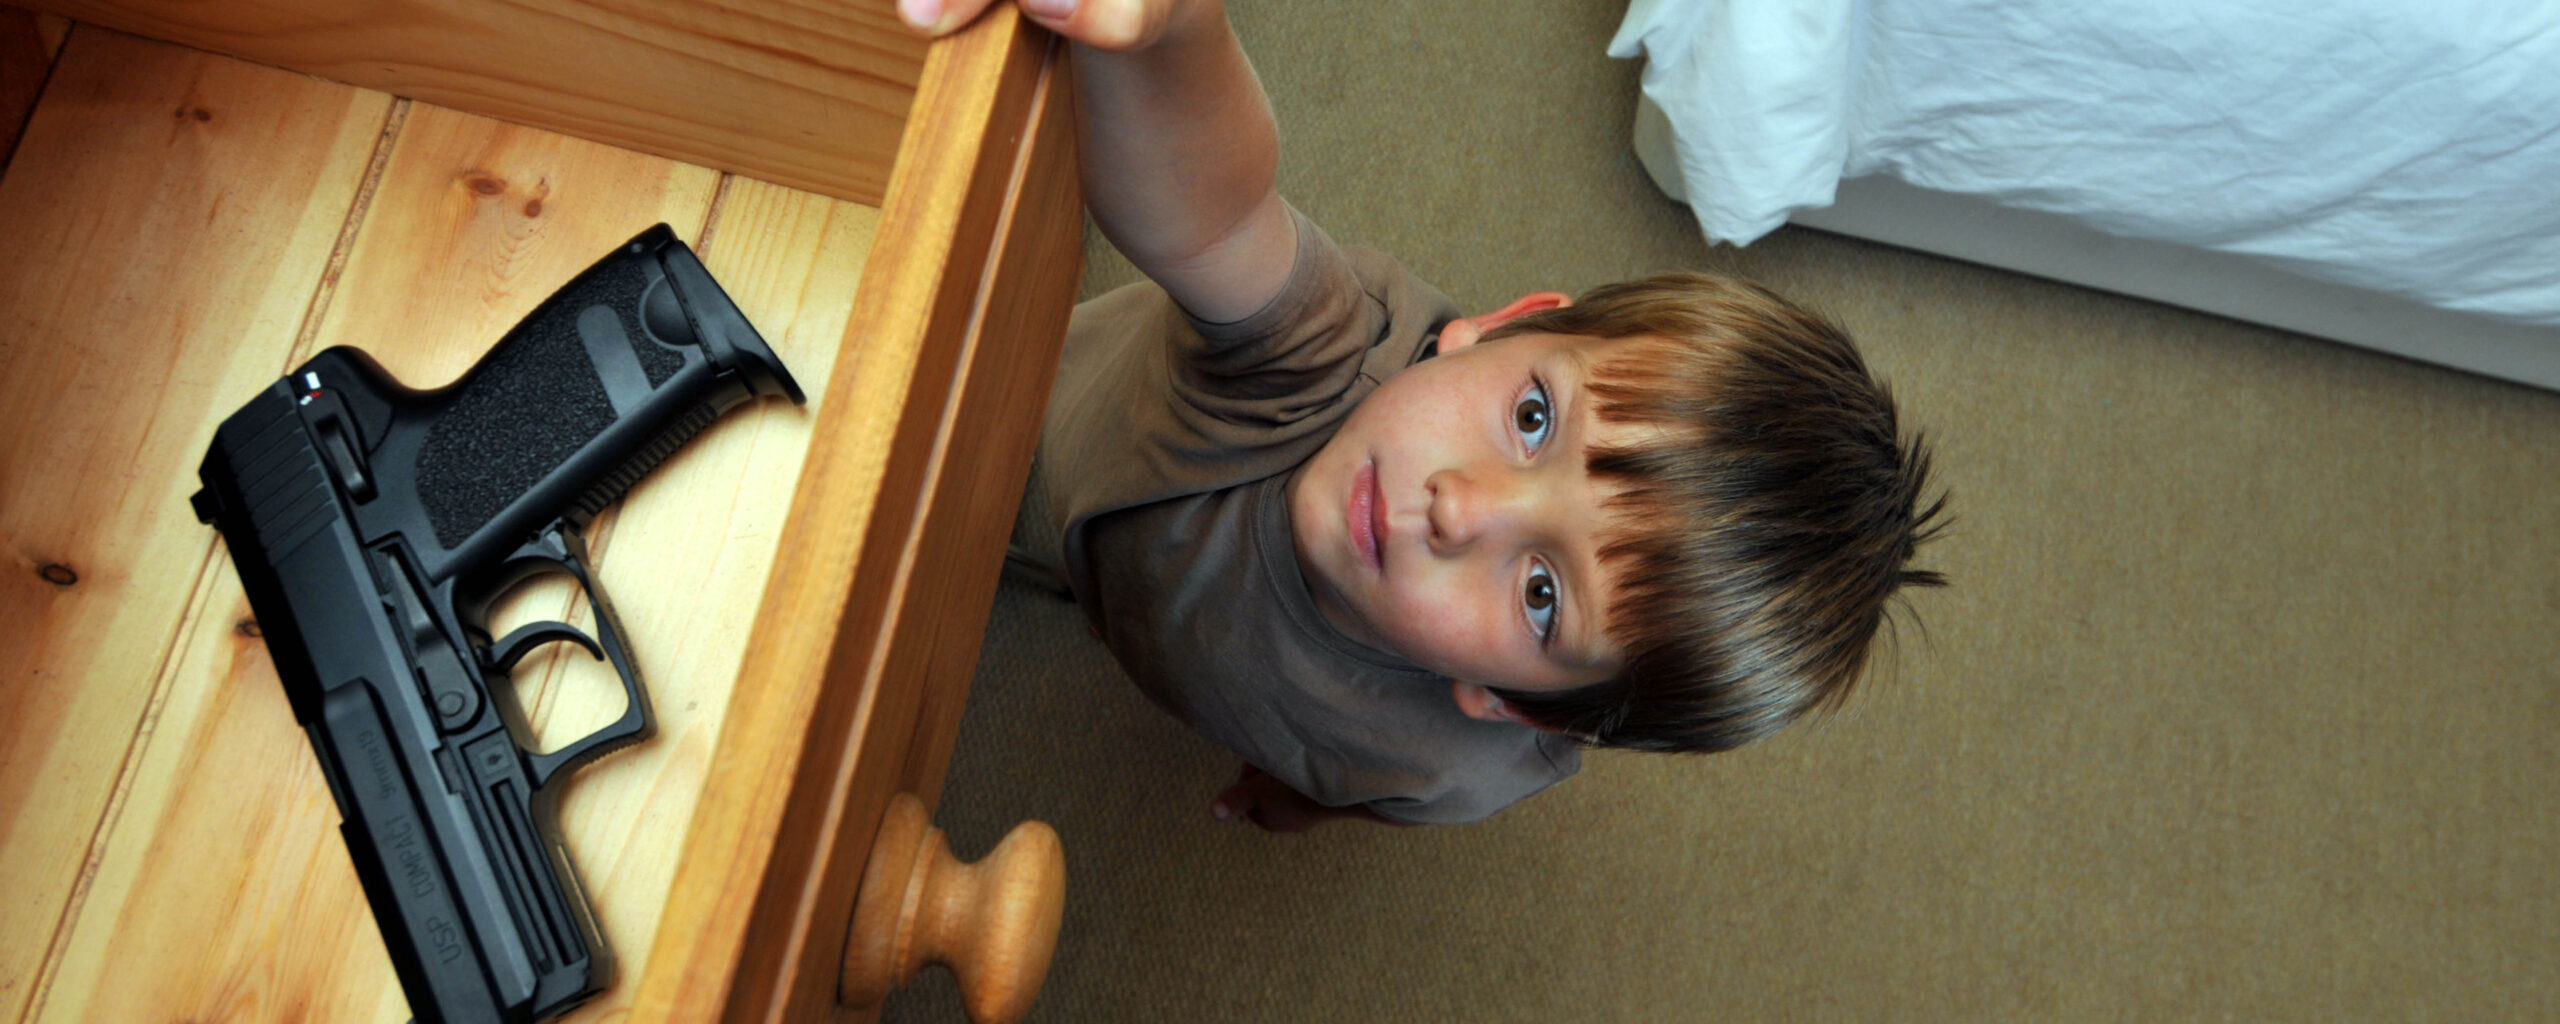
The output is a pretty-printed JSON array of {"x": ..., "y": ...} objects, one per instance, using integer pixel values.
[
  {"x": 169, "y": 217},
  {"x": 188, "y": 826}
]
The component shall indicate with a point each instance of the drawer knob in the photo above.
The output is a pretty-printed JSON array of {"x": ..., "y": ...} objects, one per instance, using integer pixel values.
[{"x": 994, "y": 923}]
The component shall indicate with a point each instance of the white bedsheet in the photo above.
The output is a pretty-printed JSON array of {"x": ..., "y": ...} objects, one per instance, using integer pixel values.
[{"x": 2406, "y": 146}]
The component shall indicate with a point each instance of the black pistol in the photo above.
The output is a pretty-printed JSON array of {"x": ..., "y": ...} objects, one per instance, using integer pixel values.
[{"x": 374, "y": 524}]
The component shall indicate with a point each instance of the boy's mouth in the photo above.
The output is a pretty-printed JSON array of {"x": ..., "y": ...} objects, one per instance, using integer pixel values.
[{"x": 1366, "y": 516}]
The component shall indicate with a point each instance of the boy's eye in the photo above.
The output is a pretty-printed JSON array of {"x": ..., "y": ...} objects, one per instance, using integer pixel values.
[
  {"x": 1531, "y": 418},
  {"x": 1539, "y": 597}
]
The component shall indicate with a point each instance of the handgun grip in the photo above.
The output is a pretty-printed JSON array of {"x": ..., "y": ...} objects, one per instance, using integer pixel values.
[{"x": 604, "y": 379}]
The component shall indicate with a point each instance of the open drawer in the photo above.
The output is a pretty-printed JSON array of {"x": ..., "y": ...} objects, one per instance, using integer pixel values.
[{"x": 803, "y": 587}]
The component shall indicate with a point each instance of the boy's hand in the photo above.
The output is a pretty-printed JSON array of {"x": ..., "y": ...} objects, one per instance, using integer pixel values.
[
  {"x": 1101, "y": 24},
  {"x": 1174, "y": 143}
]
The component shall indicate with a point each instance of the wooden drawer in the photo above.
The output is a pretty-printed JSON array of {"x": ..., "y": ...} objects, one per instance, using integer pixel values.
[{"x": 804, "y": 586}]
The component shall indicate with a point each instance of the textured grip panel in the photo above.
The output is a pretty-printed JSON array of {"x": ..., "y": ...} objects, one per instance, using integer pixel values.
[
  {"x": 539, "y": 397},
  {"x": 521, "y": 413},
  {"x": 530, "y": 405}
]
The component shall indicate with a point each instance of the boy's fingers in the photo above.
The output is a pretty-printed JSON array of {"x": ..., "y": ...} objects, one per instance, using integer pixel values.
[
  {"x": 939, "y": 17},
  {"x": 1102, "y": 24}
]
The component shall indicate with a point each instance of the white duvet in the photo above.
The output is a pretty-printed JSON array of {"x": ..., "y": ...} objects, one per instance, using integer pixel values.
[{"x": 2408, "y": 146}]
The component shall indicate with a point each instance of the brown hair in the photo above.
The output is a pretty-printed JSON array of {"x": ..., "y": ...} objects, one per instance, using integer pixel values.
[{"x": 1761, "y": 532}]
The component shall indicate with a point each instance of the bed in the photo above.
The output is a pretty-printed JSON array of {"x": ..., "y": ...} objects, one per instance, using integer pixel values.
[{"x": 2377, "y": 172}]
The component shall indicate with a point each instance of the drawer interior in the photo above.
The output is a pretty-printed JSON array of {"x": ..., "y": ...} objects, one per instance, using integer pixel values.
[
  {"x": 186, "y": 227},
  {"x": 810, "y": 95}
]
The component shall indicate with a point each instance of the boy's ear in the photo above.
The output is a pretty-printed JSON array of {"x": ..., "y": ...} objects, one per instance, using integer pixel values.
[
  {"x": 1474, "y": 701},
  {"x": 1466, "y": 331}
]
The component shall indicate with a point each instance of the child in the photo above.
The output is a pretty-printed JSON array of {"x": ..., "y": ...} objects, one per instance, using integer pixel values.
[{"x": 1407, "y": 562}]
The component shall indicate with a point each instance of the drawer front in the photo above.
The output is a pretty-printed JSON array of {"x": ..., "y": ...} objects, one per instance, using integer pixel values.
[{"x": 867, "y": 636}]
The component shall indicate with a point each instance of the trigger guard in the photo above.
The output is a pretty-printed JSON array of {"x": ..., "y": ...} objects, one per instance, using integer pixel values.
[{"x": 510, "y": 649}]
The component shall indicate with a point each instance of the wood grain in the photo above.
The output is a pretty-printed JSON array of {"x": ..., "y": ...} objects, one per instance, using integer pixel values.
[
  {"x": 449, "y": 253},
  {"x": 991, "y": 428},
  {"x": 54, "y": 29},
  {"x": 474, "y": 221},
  {"x": 1012, "y": 350},
  {"x": 994, "y": 923},
  {"x": 223, "y": 869},
  {"x": 170, "y": 214},
  {"x": 806, "y": 93},
  {"x": 150, "y": 758},
  {"x": 446, "y": 258},
  {"x": 778, "y": 844},
  {"x": 26, "y": 56},
  {"x": 691, "y": 548}
]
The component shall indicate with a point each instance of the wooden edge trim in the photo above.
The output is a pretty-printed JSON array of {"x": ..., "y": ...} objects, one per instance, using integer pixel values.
[
  {"x": 870, "y": 704},
  {"x": 990, "y": 418},
  {"x": 729, "y": 936},
  {"x": 811, "y": 102},
  {"x": 1025, "y": 303}
]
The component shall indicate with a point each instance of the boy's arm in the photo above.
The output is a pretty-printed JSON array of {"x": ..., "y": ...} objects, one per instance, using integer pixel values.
[{"x": 1178, "y": 147}]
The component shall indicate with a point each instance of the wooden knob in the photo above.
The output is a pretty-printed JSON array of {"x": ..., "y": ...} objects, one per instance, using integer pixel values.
[{"x": 994, "y": 923}]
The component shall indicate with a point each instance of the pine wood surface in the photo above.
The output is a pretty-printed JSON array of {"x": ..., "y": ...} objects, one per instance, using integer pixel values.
[
  {"x": 170, "y": 217},
  {"x": 820, "y": 737},
  {"x": 215, "y": 855},
  {"x": 1028, "y": 294},
  {"x": 994, "y": 923},
  {"x": 54, "y": 28},
  {"x": 805, "y": 93},
  {"x": 27, "y": 44}
]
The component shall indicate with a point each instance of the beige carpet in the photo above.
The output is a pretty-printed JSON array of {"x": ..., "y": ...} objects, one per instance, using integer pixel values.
[{"x": 2242, "y": 705}]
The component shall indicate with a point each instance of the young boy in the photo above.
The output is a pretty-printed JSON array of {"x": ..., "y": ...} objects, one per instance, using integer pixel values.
[{"x": 1407, "y": 562}]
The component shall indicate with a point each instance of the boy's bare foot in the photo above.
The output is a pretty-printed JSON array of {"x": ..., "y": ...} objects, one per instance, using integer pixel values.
[{"x": 1268, "y": 802}]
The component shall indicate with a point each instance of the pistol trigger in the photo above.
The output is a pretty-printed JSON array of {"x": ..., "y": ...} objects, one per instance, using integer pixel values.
[{"x": 510, "y": 649}]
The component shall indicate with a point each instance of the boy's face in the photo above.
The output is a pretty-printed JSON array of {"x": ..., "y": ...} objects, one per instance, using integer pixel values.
[{"x": 1452, "y": 519}]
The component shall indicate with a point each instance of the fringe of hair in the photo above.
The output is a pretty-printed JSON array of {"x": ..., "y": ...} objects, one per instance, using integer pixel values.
[{"x": 1764, "y": 528}]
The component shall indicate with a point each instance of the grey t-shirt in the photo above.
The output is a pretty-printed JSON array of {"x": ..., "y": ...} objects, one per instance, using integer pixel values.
[{"x": 1164, "y": 463}]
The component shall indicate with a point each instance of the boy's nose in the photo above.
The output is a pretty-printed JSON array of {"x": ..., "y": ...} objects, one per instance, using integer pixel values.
[{"x": 1468, "y": 507}]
